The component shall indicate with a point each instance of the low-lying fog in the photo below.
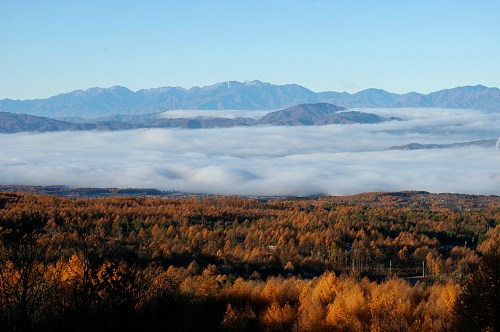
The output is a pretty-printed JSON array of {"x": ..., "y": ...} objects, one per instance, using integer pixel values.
[{"x": 334, "y": 159}]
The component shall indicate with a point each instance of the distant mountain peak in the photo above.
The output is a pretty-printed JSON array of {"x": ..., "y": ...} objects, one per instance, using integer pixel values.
[
  {"x": 254, "y": 82},
  {"x": 476, "y": 87},
  {"x": 162, "y": 89},
  {"x": 98, "y": 90},
  {"x": 119, "y": 88},
  {"x": 372, "y": 90}
]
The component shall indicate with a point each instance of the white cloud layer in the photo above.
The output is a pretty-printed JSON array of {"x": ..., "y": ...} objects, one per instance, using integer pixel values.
[{"x": 334, "y": 159}]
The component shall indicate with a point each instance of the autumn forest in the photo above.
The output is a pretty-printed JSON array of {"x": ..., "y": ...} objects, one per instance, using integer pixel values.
[{"x": 407, "y": 261}]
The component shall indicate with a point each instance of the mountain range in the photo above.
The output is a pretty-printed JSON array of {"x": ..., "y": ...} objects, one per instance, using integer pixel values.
[
  {"x": 248, "y": 95},
  {"x": 484, "y": 143},
  {"x": 299, "y": 115}
]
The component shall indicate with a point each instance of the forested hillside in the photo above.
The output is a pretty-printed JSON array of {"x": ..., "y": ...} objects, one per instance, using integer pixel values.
[{"x": 378, "y": 261}]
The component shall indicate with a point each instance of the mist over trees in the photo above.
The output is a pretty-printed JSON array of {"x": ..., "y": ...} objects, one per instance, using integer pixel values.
[{"x": 379, "y": 262}]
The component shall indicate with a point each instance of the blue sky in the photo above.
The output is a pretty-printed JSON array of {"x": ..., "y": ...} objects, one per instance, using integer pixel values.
[{"x": 49, "y": 47}]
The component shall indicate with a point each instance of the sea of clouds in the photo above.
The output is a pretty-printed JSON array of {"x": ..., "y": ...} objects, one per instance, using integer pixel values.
[{"x": 261, "y": 160}]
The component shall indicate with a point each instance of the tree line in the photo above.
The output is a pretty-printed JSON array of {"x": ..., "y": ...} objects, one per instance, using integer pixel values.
[{"x": 379, "y": 262}]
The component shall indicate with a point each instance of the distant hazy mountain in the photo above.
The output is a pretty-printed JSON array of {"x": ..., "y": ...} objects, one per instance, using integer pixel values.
[
  {"x": 300, "y": 115},
  {"x": 126, "y": 118},
  {"x": 14, "y": 123},
  {"x": 486, "y": 143},
  {"x": 99, "y": 102},
  {"x": 199, "y": 123}
]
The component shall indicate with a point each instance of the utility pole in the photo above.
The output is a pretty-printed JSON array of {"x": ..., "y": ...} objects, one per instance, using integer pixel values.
[{"x": 423, "y": 269}]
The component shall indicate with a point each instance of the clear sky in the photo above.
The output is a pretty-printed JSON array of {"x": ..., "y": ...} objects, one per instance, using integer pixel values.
[{"x": 49, "y": 47}]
